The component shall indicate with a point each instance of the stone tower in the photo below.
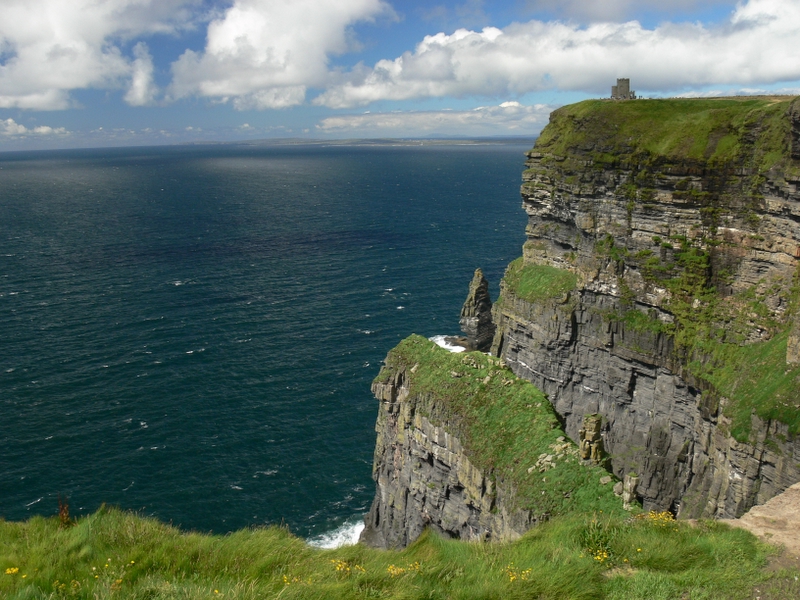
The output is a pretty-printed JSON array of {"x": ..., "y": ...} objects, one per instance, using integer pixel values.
[{"x": 622, "y": 91}]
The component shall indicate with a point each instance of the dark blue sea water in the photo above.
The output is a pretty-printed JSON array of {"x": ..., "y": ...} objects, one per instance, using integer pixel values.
[{"x": 191, "y": 332}]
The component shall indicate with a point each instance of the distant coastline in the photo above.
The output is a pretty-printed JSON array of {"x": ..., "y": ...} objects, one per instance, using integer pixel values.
[{"x": 373, "y": 142}]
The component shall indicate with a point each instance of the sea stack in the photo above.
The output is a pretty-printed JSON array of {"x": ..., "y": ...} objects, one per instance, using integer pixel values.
[{"x": 476, "y": 314}]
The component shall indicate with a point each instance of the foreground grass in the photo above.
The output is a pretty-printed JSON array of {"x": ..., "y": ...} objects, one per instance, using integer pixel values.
[{"x": 114, "y": 554}]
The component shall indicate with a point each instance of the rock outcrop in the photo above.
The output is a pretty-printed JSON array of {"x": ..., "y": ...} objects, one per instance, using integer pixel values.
[
  {"x": 476, "y": 314},
  {"x": 676, "y": 253},
  {"x": 469, "y": 450},
  {"x": 425, "y": 478},
  {"x": 777, "y": 522}
]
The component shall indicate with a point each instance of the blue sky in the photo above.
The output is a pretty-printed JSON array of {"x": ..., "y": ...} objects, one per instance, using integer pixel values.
[{"x": 89, "y": 73}]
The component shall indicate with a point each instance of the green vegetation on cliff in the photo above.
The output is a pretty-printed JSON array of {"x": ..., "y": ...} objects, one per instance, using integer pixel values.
[
  {"x": 756, "y": 380},
  {"x": 596, "y": 551},
  {"x": 711, "y": 330},
  {"x": 708, "y": 129},
  {"x": 697, "y": 172},
  {"x": 534, "y": 283},
  {"x": 116, "y": 555},
  {"x": 708, "y": 335},
  {"x": 506, "y": 425}
]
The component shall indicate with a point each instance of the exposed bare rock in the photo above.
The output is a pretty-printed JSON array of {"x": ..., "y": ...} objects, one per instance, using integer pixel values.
[
  {"x": 426, "y": 479},
  {"x": 476, "y": 314}
]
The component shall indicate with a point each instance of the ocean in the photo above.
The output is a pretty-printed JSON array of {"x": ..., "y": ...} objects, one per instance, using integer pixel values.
[{"x": 190, "y": 332}]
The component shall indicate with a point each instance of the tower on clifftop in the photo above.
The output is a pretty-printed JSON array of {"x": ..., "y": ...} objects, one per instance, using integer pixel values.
[{"x": 623, "y": 91}]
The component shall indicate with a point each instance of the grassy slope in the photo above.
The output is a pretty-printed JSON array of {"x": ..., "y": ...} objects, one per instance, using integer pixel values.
[
  {"x": 702, "y": 129},
  {"x": 119, "y": 555},
  {"x": 595, "y": 551}
]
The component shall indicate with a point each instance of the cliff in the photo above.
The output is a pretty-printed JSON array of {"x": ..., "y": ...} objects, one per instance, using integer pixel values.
[
  {"x": 469, "y": 450},
  {"x": 654, "y": 307},
  {"x": 657, "y": 288}
]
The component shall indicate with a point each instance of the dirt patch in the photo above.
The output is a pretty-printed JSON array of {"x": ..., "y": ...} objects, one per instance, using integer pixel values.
[{"x": 778, "y": 522}]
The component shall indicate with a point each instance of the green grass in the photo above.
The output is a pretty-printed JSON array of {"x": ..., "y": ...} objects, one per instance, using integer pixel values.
[
  {"x": 118, "y": 555},
  {"x": 712, "y": 129},
  {"x": 753, "y": 377},
  {"x": 592, "y": 551},
  {"x": 756, "y": 380},
  {"x": 709, "y": 335},
  {"x": 504, "y": 424},
  {"x": 534, "y": 283}
]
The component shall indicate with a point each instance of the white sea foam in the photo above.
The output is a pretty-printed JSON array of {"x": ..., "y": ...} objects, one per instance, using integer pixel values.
[
  {"x": 345, "y": 535},
  {"x": 266, "y": 473},
  {"x": 440, "y": 341}
]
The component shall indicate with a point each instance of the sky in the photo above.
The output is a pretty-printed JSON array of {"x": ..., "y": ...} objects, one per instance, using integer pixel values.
[{"x": 98, "y": 73}]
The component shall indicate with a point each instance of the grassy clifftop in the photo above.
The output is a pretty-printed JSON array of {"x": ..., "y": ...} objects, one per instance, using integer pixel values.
[
  {"x": 712, "y": 129},
  {"x": 690, "y": 203}
]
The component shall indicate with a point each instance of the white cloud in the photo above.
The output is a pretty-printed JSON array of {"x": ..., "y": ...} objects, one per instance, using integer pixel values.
[
  {"x": 613, "y": 10},
  {"x": 50, "y": 47},
  {"x": 266, "y": 53},
  {"x": 717, "y": 93},
  {"x": 11, "y": 128},
  {"x": 511, "y": 118},
  {"x": 142, "y": 90},
  {"x": 759, "y": 45}
]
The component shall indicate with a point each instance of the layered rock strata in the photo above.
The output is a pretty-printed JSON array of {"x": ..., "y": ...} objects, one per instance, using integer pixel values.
[
  {"x": 659, "y": 240},
  {"x": 425, "y": 478},
  {"x": 476, "y": 314}
]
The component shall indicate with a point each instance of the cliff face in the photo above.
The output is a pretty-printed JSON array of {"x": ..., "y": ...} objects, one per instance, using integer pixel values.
[
  {"x": 425, "y": 478},
  {"x": 680, "y": 222},
  {"x": 469, "y": 450},
  {"x": 656, "y": 301}
]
